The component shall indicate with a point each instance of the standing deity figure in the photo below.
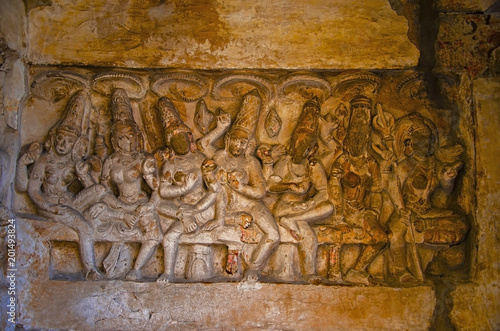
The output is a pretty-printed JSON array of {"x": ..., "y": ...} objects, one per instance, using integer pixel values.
[
  {"x": 181, "y": 186},
  {"x": 421, "y": 180},
  {"x": 355, "y": 188},
  {"x": 301, "y": 182},
  {"x": 56, "y": 169},
  {"x": 245, "y": 184},
  {"x": 130, "y": 170}
]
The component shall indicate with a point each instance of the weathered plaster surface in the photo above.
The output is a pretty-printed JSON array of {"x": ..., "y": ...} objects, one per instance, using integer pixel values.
[{"x": 221, "y": 34}]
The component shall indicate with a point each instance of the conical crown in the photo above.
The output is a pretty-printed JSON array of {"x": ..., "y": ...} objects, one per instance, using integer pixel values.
[
  {"x": 247, "y": 117},
  {"x": 171, "y": 120},
  {"x": 121, "y": 109},
  {"x": 74, "y": 116},
  {"x": 308, "y": 120}
]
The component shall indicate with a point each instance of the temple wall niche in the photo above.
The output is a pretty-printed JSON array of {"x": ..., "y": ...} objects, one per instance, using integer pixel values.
[{"x": 252, "y": 165}]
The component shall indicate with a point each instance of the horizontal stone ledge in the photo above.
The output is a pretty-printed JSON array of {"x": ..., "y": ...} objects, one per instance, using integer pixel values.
[{"x": 152, "y": 306}]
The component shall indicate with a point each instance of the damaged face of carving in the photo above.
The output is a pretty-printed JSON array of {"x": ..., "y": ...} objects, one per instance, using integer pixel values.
[
  {"x": 64, "y": 141},
  {"x": 238, "y": 142}
]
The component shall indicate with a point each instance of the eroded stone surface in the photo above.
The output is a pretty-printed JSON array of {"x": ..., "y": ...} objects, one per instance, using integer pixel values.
[
  {"x": 215, "y": 34},
  {"x": 476, "y": 306}
]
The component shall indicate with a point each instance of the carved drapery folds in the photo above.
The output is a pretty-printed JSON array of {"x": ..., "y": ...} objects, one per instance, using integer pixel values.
[{"x": 300, "y": 177}]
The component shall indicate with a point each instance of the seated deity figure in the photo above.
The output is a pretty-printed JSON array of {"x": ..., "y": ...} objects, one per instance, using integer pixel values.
[
  {"x": 423, "y": 177},
  {"x": 301, "y": 182},
  {"x": 181, "y": 186},
  {"x": 129, "y": 169},
  {"x": 244, "y": 182},
  {"x": 54, "y": 171},
  {"x": 355, "y": 188}
]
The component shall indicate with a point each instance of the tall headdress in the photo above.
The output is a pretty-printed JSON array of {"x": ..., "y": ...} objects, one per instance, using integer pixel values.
[
  {"x": 121, "y": 111},
  {"x": 308, "y": 120},
  {"x": 74, "y": 114},
  {"x": 247, "y": 117},
  {"x": 171, "y": 121}
]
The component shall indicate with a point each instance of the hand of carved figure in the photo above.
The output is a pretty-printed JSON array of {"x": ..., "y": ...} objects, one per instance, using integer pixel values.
[
  {"x": 383, "y": 121},
  {"x": 33, "y": 153},
  {"x": 264, "y": 154},
  {"x": 223, "y": 120},
  {"x": 245, "y": 221},
  {"x": 191, "y": 179},
  {"x": 61, "y": 210},
  {"x": 210, "y": 225},
  {"x": 97, "y": 209},
  {"x": 234, "y": 179},
  {"x": 304, "y": 205},
  {"x": 144, "y": 208},
  {"x": 387, "y": 154},
  {"x": 189, "y": 224},
  {"x": 82, "y": 168},
  {"x": 130, "y": 219},
  {"x": 419, "y": 226},
  {"x": 405, "y": 215},
  {"x": 450, "y": 171},
  {"x": 300, "y": 188}
]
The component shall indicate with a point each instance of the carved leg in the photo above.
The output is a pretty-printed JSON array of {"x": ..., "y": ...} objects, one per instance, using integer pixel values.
[
  {"x": 308, "y": 248},
  {"x": 397, "y": 251},
  {"x": 170, "y": 245},
  {"x": 268, "y": 242},
  {"x": 85, "y": 233},
  {"x": 145, "y": 253},
  {"x": 358, "y": 274},
  {"x": 334, "y": 273}
]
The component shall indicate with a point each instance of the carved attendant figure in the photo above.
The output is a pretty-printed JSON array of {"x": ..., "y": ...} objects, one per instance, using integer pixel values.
[
  {"x": 55, "y": 170},
  {"x": 129, "y": 168},
  {"x": 181, "y": 185},
  {"x": 245, "y": 185},
  {"x": 419, "y": 176},
  {"x": 302, "y": 184},
  {"x": 355, "y": 187}
]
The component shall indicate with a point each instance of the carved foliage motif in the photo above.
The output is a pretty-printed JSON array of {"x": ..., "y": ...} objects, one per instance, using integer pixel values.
[{"x": 322, "y": 178}]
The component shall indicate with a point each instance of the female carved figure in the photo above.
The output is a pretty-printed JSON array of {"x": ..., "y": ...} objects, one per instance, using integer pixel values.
[
  {"x": 181, "y": 185},
  {"x": 302, "y": 184},
  {"x": 54, "y": 171},
  {"x": 128, "y": 169}
]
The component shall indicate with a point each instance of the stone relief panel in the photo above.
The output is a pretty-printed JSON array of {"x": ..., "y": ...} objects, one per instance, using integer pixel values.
[{"x": 252, "y": 176}]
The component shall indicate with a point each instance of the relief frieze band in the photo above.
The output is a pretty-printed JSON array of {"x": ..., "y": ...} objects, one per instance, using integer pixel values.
[{"x": 330, "y": 178}]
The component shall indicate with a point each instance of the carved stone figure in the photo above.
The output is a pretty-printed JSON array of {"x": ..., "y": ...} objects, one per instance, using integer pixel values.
[
  {"x": 360, "y": 195},
  {"x": 301, "y": 182},
  {"x": 417, "y": 181},
  {"x": 245, "y": 185},
  {"x": 181, "y": 185},
  {"x": 53, "y": 173},
  {"x": 355, "y": 188},
  {"x": 128, "y": 168}
]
